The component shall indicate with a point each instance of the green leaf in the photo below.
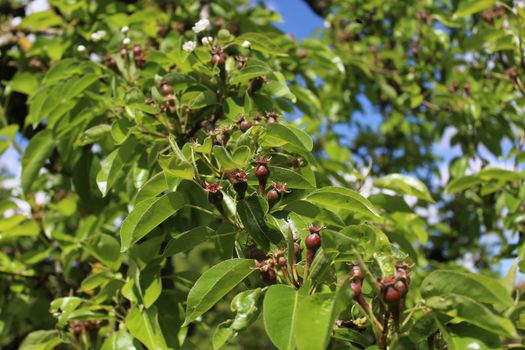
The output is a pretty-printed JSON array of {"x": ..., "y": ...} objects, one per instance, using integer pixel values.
[
  {"x": 403, "y": 184},
  {"x": 469, "y": 7},
  {"x": 188, "y": 240},
  {"x": 23, "y": 82},
  {"x": 246, "y": 306},
  {"x": 147, "y": 215},
  {"x": 106, "y": 249},
  {"x": 239, "y": 159},
  {"x": 37, "y": 152},
  {"x": 93, "y": 134},
  {"x": 41, "y": 340},
  {"x": 280, "y": 314},
  {"x": 478, "y": 287},
  {"x": 152, "y": 188},
  {"x": 198, "y": 99},
  {"x": 278, "y": 134},
  {"x": 252, "y": 211},
  {"x": 222, "y": 334},
  {"x": 339, "y": 198},
  {"x": 77, "y": 86},
  {"x": 175, "y": 167},
  {"x": 113, "y": 164},
  {"x": 120, "y": 340},
  {"x": 471, "y": 311},
  {"x": 318, "y": 311},
  {"x": 214, "y": 284},
  {"x": 250, "y": 71},
  {"x": 462, "y": 183},
  {"x": 260, "y": 42},
  {"x": 144, "y": 325},
  {"x": 292, "y": 178}
]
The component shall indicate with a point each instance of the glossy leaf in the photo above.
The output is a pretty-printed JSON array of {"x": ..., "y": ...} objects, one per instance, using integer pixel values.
[
  {"x": 34, "y": 157},
  {"x": 280, "y": 315},
  {"x": 144, "y": 325},
  {"x": 147, "y": 215},
  {"x": 473, "y": 312},
  {"x": 113, "y": 164},
  {"x": 478, "y": 287},
  {"x": 214, "y": 284},
  {"x": 251, "y": 212},
  {"x": 339, "y": 198}
]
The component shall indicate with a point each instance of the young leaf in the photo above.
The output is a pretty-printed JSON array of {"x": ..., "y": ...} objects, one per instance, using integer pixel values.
[
  {"x": 147, "y": 215},
  {"x": 214, "y": 284}
]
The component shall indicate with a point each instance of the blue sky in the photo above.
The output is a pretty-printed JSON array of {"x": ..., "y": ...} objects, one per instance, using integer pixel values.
[{"x": 298, "y": 19}]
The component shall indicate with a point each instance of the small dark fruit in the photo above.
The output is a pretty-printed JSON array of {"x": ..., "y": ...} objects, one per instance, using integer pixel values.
[
  {"x": 214, "y": 193},
  {"x": 391, "y": 295},
  {"x": 313, "y": 241},
  {"x": 218, "y": 58},
  {"x": 137, "y": 50},
  {"x": 240, "y": 183},
  {"x": 356, "y": 273},
  {"x": 245, "y": 125},
  {"x": 262, "y": 172},
  {"x": 271, "y": 117},
  {"x": 401, "y": 287},
  {"x": 165, "y": 89},
  {"x": 215, "y": 59},
  {"x": 273, "y": 197}
]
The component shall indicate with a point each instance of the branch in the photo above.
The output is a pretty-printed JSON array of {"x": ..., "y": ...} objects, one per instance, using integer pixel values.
[{"x": 319, "y": 7}]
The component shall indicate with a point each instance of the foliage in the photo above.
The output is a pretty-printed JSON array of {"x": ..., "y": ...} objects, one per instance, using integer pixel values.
[{"x": 169, "y": 200}]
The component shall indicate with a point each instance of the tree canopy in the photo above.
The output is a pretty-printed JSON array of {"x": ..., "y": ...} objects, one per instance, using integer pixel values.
[{"x": 194, "y": 178}]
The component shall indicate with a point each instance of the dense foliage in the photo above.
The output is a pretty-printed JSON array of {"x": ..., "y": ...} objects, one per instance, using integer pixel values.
[{"x": 193, "y": 178}]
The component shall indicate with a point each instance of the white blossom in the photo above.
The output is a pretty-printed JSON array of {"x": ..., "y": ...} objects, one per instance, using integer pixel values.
[
  {"x": 189, "y": 46},
  {"x": 201, "y": 25},
  {"x": 41, "y": 198},
  {"x": 16, "y": 21},
  {"x": 81, "y": 48},
  {"x": 124, "y": 29},
  {"x": 98, "y": 35},
  {"x": 126, "y": 41},
  {"x": 96, "y": 149},
  {"x": 246, "y": 44},
  {"x": 207, "y": 40}
]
